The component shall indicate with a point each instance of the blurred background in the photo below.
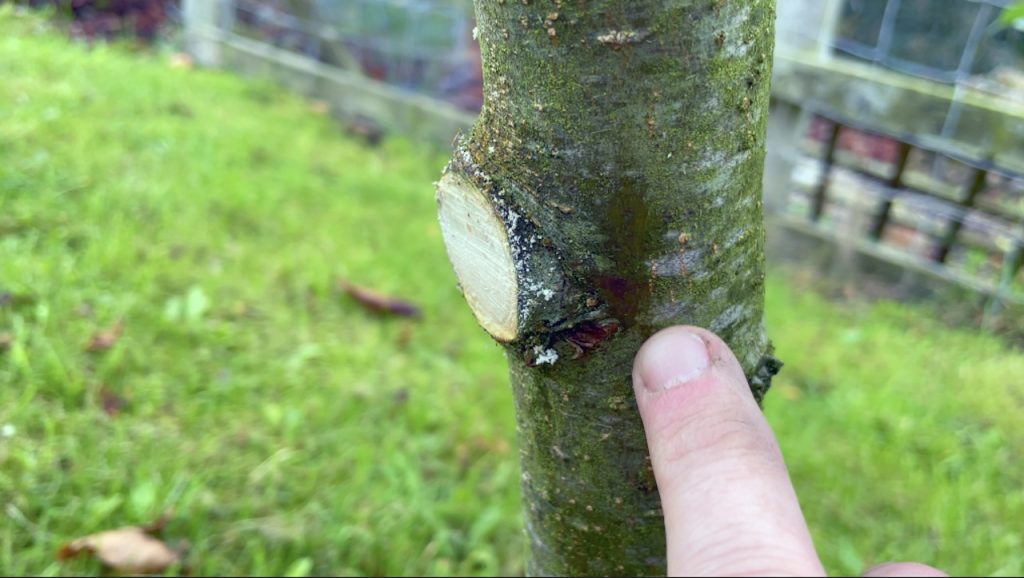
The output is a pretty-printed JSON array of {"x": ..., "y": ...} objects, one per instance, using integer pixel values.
[{"x": 227, "y": 319}]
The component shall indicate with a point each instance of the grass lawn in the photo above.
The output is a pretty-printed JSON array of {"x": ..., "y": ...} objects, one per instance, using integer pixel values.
[{"x": 293, "y": 432}]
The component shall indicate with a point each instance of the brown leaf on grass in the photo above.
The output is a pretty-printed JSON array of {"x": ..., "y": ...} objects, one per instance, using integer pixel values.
[
  {"x": 104, "y": 340},
  {"x": 6, "y": 341},
  {"x": 379, "y": 302},
  {"x": 111, "y": 402},
  {"x": 131, "y": 550}
]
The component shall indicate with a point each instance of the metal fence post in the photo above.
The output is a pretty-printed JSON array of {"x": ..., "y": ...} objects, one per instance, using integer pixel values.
[
  {"x": 808, "y": 25},
  {"x": 831, "y": 13},
  {"x": 202, "y": 33}
]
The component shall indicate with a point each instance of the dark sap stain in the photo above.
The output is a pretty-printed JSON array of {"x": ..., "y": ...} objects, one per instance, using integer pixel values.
[{"x": 630, "y": 228}]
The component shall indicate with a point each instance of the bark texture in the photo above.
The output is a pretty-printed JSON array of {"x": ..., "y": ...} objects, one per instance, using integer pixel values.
[{"x": 621, "y": 144}]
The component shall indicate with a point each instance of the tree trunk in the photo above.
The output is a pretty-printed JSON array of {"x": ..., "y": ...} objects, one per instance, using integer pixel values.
[{"x": 611, "y": 187}]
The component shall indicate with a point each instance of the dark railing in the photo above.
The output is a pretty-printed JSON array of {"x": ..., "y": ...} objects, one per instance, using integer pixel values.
[{"x": 893, "y": 183}]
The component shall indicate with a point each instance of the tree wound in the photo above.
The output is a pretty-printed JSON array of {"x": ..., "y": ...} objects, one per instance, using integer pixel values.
[{"x": 479, "y": 249}]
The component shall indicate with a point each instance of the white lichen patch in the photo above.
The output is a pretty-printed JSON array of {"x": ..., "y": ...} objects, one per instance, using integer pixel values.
[
  {"x": 618, "y": 38},
  {"x": 544, "y": 356},
  {"x": 479, "y": 249}
]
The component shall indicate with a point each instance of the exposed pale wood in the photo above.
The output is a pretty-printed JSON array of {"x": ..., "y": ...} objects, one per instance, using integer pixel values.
[{"x": 478, "y": 247}]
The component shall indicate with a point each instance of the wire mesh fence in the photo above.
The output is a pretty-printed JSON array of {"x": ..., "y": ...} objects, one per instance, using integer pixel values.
[
  {"x": 947, "y": 199},
  {"x": 423, "y": 46},
  {"x": 426, "y": 47},
  {"x": 859, "y": 183},
  {"x": 943, "y": 40}
]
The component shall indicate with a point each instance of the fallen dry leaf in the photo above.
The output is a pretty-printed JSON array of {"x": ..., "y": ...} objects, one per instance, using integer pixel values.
[
  {"x": 6, "y": 341},
  {"x": 131, "y": 550},
  {"x": 111, "y": 402},
  {"x": 378, "y": 302},
  {"x": 104, "y": 340}
]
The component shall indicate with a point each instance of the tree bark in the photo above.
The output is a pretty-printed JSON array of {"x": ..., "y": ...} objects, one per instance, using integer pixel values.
[{"x": 611, "y": 187}]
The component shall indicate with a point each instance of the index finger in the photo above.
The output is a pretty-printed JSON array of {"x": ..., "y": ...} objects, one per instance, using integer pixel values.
[{"x": 729, "y": 505}]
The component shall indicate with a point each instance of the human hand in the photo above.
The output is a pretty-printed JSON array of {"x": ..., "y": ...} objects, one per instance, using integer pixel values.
[{"x": 729, "y": 506}]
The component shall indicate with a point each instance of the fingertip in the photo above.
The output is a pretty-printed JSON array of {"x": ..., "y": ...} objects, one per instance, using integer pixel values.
[
  {"x": 687, "y": 371},
  {"x": 670, "y": 358},
  {"x": 718, "y": 467},
  {"x": 680, "y": 354}
]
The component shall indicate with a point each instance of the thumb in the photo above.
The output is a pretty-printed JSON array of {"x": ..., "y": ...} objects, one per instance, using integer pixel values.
[{"x": 729, "y": 506}]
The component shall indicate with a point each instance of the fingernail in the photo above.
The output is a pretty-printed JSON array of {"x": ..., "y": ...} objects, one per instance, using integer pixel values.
[{"x": 669, "y": 359}]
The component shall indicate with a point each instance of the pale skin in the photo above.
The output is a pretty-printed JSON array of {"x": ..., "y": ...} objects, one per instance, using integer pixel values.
[{"x": 730, "y": 508}]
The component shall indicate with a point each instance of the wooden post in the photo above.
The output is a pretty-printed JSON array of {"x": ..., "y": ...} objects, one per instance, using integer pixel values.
[{"x": 202, "y": 31}]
